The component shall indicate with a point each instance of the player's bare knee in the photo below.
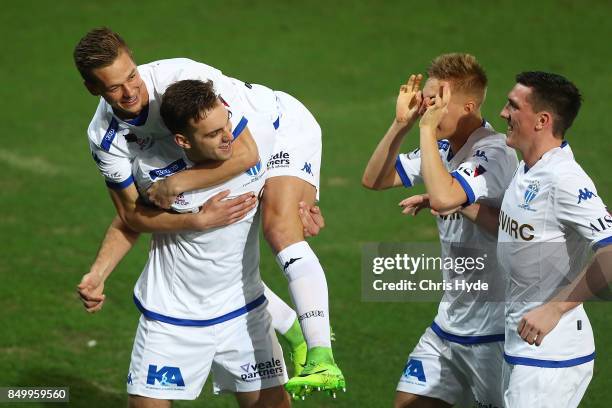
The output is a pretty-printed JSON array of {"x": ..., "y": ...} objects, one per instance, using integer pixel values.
[{"x": 138, "y": 401}]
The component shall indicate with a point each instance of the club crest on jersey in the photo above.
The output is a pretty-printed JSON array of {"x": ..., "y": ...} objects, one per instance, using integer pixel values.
[
  {"x": 585, "y": 194},
  {"x": 530, "y": 194},
  {"x": 481, "y": 154},
  {"x": 142, "y": 142}
]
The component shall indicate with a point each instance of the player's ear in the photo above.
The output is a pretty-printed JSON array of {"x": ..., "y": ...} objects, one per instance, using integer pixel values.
[
  {"x": 469, "y": 106},
  {"x": 182, "y": 141},
  {"x": 92, "y": 88},
  {"x": 544, "y": 120}
]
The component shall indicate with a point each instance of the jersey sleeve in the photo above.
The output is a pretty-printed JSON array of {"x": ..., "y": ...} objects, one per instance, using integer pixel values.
[
  {"x": 487, "y": 173},
  {"x": 115, "y": 168},
  {"x": 578, "y": 206},
  {"x": 408, "y": 165}
]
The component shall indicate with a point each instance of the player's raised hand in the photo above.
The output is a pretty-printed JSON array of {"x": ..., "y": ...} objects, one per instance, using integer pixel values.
[
  {"x": 537, "y": 323},
  {"x": 162, "y": 194},
  {"x": 312, "y": 219},
  {"x": 409, "y": 100},
  {"x": 412, "y": 205},
  {"x": 435, "y": 111},
  {"x": 91, "y": 291},
  {"x": 217, "y": 211}
]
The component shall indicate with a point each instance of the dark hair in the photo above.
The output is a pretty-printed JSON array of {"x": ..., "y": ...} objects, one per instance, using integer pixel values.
[
  {"x": 98, "y": 49},
  {"x": 463, "y": 71},
  {"x": 555, "y": 93},
  {"x": 184, "y": 101}
]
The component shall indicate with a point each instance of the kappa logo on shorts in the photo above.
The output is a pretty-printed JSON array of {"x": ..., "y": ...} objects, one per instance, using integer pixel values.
[
  {"x": 167, "y": 377},
  {"x": 267, "y": 369},
  {"x": 414, "y": 368},
  {"x": 280, "y": 159},
  {"x": 129, "y": 378}
]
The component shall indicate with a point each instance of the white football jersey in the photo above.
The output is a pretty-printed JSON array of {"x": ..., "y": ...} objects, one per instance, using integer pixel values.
[
  {"x": 114, "y": 143},
  {"x": 193, "y": 277},
  {"x": 550, "y": 216},
  {"x": 483, "y": 166}
]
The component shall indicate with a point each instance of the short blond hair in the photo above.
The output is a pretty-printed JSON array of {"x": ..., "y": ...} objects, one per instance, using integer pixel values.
[{"x": 463, "y": 72}]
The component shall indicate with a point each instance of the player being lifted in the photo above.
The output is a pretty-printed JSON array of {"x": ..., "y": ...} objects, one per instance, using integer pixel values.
[
  {"x": 127, "y": 122},
  {"x": 461, "y": 160},
  {"x": 550, "y": 217}
]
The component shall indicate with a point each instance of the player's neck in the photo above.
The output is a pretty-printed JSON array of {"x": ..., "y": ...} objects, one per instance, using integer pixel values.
[
  {"x": 465, "y": 128},
  {"x": 541, "y": 145}
]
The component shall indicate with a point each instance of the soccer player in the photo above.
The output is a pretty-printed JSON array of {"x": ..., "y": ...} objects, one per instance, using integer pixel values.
[
  {"x": 127, "y": 122},
  {"x": 550, "y": 217},
  {"x": 200, "y": 293},
  {"x": 461, "y": 160}
]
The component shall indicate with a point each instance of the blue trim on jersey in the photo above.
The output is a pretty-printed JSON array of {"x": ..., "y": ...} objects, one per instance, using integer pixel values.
[
  {"x": 141, "y": 118},
  {"x": 535, "y": 362},
  {"x": 240, "y": 127},
  {"x": 490, "y": 338},
  {"x": 200, "y": 323},
  {"x": 466, "y": 187},
  {"x": 169, "y": 170},
  {"x": 565, "y": 143},
  {"x": 604, "y": 242},
  {"x": 402, "y": 173},
  {"x": 121, "y": 185},
  {"x": 110, "y": 134},
  {"x": 276, "y": 123}
]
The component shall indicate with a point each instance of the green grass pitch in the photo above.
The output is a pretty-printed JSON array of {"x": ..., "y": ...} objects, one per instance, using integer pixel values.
[{"x": 345, "y": 61}]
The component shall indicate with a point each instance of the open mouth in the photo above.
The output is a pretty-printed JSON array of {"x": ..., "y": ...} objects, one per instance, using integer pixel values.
[{"x": 132, "y": 101}]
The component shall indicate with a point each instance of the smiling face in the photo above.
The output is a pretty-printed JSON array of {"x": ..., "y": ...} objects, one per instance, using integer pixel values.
[
  {"x": 121, "y": 86},
  {"x": 457, "y": 107},
  {"x": 210, "y": 137},
  {"x": 521, "y": 119}
]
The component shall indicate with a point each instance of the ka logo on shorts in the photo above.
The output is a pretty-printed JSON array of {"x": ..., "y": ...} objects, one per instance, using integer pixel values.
[
  {"x": 165, "y": 376},
  {"x": 414, "y": 368}
]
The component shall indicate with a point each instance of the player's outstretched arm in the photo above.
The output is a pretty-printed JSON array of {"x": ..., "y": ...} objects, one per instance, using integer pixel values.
[
  {"x": 244, "y": 156},
  {"x": 380, "y": 172},
  {"x": 216, "y": 212},
  {"x": 118, "y": 241}
]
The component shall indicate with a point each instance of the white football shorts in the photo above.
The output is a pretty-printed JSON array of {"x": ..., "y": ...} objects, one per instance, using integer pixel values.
[
  {"x": 297, "y": 150},
  {"x": 545, "y": 387},
  {"x": 172, "y": 362},
  {"x": 461, "y": 374}
]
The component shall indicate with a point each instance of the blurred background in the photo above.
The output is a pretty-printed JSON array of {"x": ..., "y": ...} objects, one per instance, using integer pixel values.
[{"x": 345, "y": 60}]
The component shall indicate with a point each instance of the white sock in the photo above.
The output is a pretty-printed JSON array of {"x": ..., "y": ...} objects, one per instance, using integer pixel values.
[
  {"x": 282, "y": 315},
  {"x": 308, "y": 288}
]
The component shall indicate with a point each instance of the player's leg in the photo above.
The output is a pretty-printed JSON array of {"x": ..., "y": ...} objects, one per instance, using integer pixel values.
[
  {"x": 307, "y": 282},
  {"x": 275, "y": 397},
  {"x": 408, "y": 400},
  {"x": 137, "y": 401},
  {"x": 429, "y": 378},
  {"x": 284, "y": 321}
]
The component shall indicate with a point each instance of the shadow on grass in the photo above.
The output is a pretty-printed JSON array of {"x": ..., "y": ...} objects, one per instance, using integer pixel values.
[{"x": 83, "y": 393}]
